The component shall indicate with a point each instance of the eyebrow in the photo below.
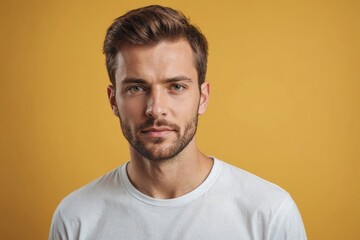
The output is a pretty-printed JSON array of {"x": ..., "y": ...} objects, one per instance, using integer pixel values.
[
  {"x": 177, "y": 79},
  {"x": 133, "y": 80},
  {"x": 168, "y": 80}
]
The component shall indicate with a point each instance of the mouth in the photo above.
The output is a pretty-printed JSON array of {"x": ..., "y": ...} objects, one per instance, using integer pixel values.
[{"x": 157, "y": 131}]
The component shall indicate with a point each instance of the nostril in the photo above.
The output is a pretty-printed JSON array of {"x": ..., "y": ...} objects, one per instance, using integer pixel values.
[{"x": 155, "y": 110}]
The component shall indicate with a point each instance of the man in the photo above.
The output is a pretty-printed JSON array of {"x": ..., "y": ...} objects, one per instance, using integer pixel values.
[{"x": 156, "y": 62}]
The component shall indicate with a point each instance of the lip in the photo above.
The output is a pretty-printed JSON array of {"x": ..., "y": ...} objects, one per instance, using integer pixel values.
[{"x": 157, "y": 131}]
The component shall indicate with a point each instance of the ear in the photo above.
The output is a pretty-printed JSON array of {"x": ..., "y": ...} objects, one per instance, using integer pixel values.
[
  {"x": 112, "y": 99},
  {"x": 204, "y": 97}
]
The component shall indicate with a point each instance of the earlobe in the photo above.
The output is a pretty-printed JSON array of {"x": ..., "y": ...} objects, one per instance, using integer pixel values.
[
  {"x": 112, "y": 99},
  {"x": 204, "y": 97}
]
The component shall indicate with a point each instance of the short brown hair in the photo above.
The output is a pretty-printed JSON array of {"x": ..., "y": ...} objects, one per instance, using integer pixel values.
[{"x": 150, "y": 25}]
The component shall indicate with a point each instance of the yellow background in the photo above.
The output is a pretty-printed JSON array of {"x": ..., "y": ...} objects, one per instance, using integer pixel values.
[{"x": 284, "y": 103}]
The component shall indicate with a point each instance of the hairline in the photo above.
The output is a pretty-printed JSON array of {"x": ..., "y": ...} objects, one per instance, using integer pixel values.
[{"x": 121, "y": 48}]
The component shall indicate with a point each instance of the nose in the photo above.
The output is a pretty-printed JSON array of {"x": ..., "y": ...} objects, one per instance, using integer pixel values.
[{"x": 156, "y": 104}]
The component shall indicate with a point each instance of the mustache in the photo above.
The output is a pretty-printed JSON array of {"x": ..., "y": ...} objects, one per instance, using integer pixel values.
[{"x": 151, "y": 122}]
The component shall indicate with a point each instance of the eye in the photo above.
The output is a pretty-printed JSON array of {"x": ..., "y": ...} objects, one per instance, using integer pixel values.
[
  {"x": 135, "y": 89},
  {"x": 177, "y": 87}
]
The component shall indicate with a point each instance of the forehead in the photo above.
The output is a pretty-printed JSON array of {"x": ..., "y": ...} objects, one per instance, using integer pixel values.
[{"x": 162, "y": 60}]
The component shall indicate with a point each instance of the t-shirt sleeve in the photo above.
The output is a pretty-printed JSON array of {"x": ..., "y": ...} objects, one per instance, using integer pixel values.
[
  {"x": 58, "y": 229},
  {"x": 287, "y": 223}
]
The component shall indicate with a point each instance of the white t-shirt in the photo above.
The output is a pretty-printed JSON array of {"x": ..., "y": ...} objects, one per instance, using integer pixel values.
[{"x": 230, "y": 204}]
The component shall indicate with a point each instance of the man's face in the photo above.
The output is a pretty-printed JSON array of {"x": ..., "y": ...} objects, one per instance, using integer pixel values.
[{"x": 157, "y": 98}]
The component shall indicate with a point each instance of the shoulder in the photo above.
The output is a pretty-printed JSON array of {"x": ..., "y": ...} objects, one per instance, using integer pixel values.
[
  {"x": 245, "y": 182},
  {"x": 91, "y": 196},
  {"x": 84, "y": 208},
  {"x": 249, "y": 190},
  {"x": 267, "y": 208},
  {"x": 267, "y": 205}
]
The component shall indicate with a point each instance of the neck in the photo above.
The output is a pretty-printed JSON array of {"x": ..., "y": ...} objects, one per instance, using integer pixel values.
[{"x": 169, "y": 178}]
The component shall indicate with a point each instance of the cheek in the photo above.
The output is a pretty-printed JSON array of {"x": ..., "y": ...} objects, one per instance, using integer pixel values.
[
  {"x": 190, "y": 105},
  {"x": 185, "y": 111},
  {"x": 131, "y": 110}
]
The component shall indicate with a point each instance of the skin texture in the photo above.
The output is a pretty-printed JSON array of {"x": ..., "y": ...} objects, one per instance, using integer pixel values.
[{"x": 157, "y": 100}]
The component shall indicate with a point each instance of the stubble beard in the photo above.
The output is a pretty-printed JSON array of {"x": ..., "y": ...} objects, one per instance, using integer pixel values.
[{"x": 156, "y": 152}]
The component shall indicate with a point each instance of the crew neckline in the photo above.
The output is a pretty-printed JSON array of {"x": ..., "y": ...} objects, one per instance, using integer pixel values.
[{"x": 195, "y": 193}]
